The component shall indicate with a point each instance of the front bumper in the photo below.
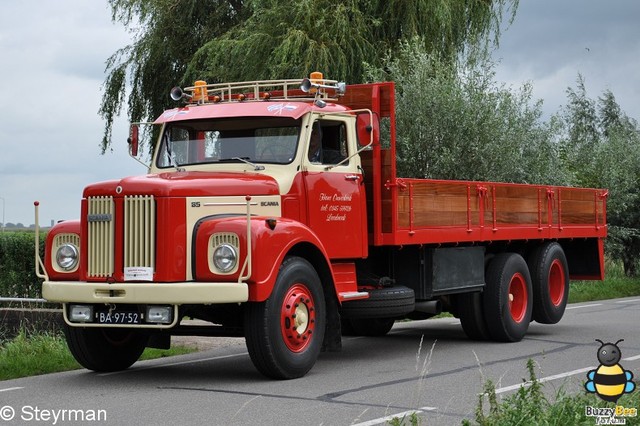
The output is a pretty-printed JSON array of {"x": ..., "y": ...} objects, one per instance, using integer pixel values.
[{"x": 146, "y": 293}]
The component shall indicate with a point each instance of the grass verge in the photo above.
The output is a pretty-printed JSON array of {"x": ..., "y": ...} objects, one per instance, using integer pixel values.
[
  {"x": 530, "y": 406},
  {"x": 616, "y": 284},
  {"x": 42, "y": 353}
]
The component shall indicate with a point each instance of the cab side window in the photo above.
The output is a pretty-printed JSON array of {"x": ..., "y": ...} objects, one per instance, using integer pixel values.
[{"x": 328, "y": 144}]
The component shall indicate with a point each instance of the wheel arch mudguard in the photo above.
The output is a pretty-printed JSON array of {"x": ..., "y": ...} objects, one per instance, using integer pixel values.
[
  {"x": 271, "y": 241},
  {"x": 288, "y": 238},
  {"x": 70, "y": 227}
]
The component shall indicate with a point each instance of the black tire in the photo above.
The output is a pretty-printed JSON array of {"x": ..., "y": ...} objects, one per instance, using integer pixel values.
[
  {"x": 550, "y": 282},
  {"x": 105, "y": 349},
  {"x": 371, "y": 327},
  {"x": 507, "y": 299},
  {"x": 284, "y": 333},
  {"x": 388, "y": 302},
  {"x": 471, "y": 313}
]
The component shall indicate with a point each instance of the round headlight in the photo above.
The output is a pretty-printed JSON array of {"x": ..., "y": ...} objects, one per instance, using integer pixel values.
[
  {"x": 67, "y": 256},
  {"x": 225, "y": 257}
]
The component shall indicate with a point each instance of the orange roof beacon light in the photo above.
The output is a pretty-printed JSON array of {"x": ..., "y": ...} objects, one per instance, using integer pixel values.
[
  {"x": 315, "y": 77},
  {"x": 315, "y": 83},
  {"x": 200, "y": 91}
]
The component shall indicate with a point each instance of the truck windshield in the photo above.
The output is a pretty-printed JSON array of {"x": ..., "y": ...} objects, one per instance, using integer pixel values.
[{"x": 257, "y": 140}]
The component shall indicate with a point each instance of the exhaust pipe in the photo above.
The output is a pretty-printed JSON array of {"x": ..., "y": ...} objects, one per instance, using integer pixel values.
[{"x": 431, "y": 307}]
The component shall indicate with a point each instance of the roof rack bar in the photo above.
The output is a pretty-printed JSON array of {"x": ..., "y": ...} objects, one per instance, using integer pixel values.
[{"x": 284, "y": 89}]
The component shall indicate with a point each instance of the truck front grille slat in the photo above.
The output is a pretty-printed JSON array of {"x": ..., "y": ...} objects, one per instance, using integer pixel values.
[
  {"x": 139, "y": 231},
  {"x": 139, "y": 227},
  {"x": 100, "y": 237}
]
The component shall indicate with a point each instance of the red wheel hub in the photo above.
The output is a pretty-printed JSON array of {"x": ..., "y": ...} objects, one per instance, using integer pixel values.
[
  {"x": 556, "y": 283},
  {"x": 297, "y": 318},
  {"x": 518, "y": 297}
]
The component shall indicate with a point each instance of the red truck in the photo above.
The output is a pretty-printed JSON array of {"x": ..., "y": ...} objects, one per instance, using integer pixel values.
[{"x": 272, "y": 210}]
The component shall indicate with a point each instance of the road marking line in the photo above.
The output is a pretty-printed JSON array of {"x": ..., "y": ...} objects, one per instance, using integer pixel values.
[
  {"x": 171, "y": 364},
  {"x": 544, "y": 379},
  {"x": 628, "y": 301},
  {"x": 381, "y": 420},
  {"x": 9, "y": 389},
  {"x": 631, "y": 358},
  {"x": 583, "y": 306}
]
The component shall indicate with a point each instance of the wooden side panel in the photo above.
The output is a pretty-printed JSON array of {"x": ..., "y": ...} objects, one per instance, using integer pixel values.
[
  {"x": 425, "y": 203},
  {"x": 580, "y": 207},
  {"x": 432, "y": 211},
  {"x": 516, "y": 205},
  {"x": 359, "y": 96}
]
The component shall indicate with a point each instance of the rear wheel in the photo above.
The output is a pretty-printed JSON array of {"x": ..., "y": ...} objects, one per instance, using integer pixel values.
[
  {"x": 105, "y": 349},
  {"x": 550, "y": 282},
  {"x": 507, "y": 298},
  {"x": 471, "y": 313},
  {"x": 284, "y": 333}
]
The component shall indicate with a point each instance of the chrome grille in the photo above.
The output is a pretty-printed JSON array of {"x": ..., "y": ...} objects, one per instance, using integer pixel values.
[
  {"x": 224, "y": 238},
  {"x": 61, "y": 239},
  {"x": 139, "y": 231},
  {"x": 100, "y": 239}
]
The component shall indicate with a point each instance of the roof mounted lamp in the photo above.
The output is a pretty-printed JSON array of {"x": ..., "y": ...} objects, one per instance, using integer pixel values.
[
  {"x": 199, "y": 93},
  {"x": 313, "y": 85}
]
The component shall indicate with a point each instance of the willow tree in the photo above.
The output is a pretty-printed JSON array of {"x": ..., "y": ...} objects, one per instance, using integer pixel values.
[
  {"x": 180, "y": 41},
  {"x": 167, "y": 33}
]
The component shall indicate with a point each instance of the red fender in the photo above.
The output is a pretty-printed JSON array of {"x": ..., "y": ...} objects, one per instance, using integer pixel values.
[
  {"x": 268, "y": 247},
  {"x": 66, "y": 227}
]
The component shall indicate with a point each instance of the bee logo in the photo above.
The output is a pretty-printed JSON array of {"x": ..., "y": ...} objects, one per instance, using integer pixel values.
[{"x": 609, "y": 381}]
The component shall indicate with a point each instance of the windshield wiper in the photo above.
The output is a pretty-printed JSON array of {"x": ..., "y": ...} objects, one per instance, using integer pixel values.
[
  {"x": 172, "y": 160},
  {"x": 245, "y": 160}
]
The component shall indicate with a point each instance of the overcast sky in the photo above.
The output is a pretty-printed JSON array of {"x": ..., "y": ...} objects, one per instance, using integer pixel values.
[{"x": 52, "y": 69}]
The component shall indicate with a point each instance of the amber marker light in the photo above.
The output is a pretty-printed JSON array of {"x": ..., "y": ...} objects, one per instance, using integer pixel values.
[
  {"x": 200, "y": 91},
  {"x": 271, "y": 223},
  {"x": 315, "y": 78}
]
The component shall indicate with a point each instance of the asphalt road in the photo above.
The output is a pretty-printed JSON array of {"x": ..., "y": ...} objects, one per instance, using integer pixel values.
[{"x": 425, "y": 366}]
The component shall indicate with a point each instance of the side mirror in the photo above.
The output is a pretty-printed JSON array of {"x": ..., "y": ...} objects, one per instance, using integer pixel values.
[
  {"x": 133, "y": 140},
  {"x": 368, "y": 128}
]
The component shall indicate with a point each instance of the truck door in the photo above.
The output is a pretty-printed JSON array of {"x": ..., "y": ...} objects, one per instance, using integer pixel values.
[{"x": 335, "y": 193}]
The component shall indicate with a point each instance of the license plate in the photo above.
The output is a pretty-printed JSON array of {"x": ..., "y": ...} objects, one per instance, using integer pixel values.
[{"x": 115, "y": 317}]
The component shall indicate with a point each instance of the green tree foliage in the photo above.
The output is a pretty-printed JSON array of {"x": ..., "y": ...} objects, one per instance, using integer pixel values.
[
  {"x": 601, "y": 148},
  {"x": 180, "y": 41},
  {"x": 167, "y": 33},
  {"x": 582, "y": 136},
  {"x": 455, "y": 122}
]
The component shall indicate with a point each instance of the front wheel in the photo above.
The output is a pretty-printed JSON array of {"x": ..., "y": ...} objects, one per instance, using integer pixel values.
[
  {"x": 105, "y": 349},
  {"x": 284, "y": 333}
]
